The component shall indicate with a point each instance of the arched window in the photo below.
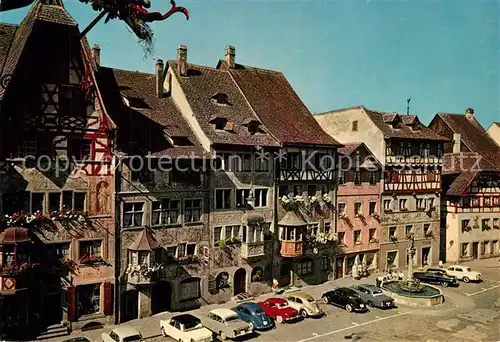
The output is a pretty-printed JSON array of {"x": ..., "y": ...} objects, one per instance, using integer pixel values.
[
  {"x": 257, "y": 275},
  {"x": 222, "y": 280}
]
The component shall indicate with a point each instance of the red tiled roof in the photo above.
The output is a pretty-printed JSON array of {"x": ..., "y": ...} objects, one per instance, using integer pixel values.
[
  {"x": 473, "y": 136},
  {"x": 461, "y": 183},
  {"x": 348, "y": 149},
  {"x": 161, "y": 115},
  {"x": 278, "y": 106},
  {"x": 200, "y": 87}
]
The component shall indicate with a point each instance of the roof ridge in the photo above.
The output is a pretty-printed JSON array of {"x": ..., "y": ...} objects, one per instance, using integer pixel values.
[{"x": 338, "y": 110}]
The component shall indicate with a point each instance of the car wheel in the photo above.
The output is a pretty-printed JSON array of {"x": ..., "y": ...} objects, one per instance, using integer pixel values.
[
  {"x": 444, "y": 284},
  {"x": 279, "y": 319},
  {"x": 163, "y": 332},
  {"x": 222, "y": 336},
  {"x": 303, "y": 313},
  {"x": 348, "y": 308},
  {"x": 325, "y": 300},
  {"x": 465, "y": 279},
  {"x": 370, "y": 304},
  {"x": 251, "y": 325}
]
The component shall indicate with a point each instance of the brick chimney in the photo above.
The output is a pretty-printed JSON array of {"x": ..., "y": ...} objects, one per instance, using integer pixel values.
[
  {"x": 469, "y": 114},
  {"x": 159, "y": 78},
  {"x": 230, "y": 54},
  {"x": 456, "y": 143},
  {"x": 182, "y": 60},
  {"x": 96, "y": 54}
]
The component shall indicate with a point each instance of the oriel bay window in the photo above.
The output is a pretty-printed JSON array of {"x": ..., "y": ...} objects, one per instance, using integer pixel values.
[
  {"x": 192, "y": 210},
  {"x": 133, "y": 214},
  {"x": 253, "y": 234},
  {"x": 165, "y": 212}
]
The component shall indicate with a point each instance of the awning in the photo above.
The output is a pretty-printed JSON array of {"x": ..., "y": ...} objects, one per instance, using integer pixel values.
[{"x": 14, "y": 235}]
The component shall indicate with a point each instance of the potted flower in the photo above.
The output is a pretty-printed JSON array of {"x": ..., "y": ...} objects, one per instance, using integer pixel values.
[
  {"x": 343, "y": 216},
  {"x": 360, "y": 215}
]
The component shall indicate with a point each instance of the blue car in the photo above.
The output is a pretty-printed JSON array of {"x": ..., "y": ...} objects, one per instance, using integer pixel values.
[{"x": 253, "y": 314}]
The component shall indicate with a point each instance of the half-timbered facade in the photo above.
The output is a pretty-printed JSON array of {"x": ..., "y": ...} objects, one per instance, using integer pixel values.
[
  {"x": 56, "y": 183},
  {"x": 411, "y": 155},
  {"x": 470, "y": 207},
  {"x": 304, "y": 174},
  {"x": 358, "y": 204}
]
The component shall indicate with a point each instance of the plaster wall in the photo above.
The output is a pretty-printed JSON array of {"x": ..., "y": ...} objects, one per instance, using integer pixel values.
[{"x": 494, "y": 132}]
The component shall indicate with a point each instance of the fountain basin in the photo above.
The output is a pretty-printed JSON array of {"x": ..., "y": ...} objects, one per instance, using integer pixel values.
[{"x": 429, "y": 296}]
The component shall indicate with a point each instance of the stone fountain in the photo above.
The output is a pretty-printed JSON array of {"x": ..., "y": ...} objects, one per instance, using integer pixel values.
[{"x": 411, "y": 292}]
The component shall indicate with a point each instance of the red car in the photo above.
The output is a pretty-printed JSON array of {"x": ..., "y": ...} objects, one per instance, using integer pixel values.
[{"x": 278, "y": 309}]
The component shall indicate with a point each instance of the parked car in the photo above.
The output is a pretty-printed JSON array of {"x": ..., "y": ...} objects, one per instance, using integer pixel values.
[
  {"x": 373, "y": 296},
  {"x": 226, "y": 323},
  {"x": 279, "y": 309},
  {"x": 436, "y": 276},
  {"x": 185, "y": 328},
  {"x": 77, "y": 339},
  {"x": 346, "y": 298},
  {"x": 123, "y": 334},
  {"x": 253, "y": 314},
  {"x": 304, "y": 304},
  {"x": 463, "y": 273}
]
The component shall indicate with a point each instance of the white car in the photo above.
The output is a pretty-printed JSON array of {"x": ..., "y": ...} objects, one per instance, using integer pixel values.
[
  {"x": 185, "y": 328},
  {"x": 226, "y": 323},
  {"x": 123, "y": 334},
  {"x": 304, "y": 304},
  {"x": 463, "y": 273}
]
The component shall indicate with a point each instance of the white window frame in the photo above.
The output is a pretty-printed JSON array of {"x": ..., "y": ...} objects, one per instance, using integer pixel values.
[
  {"x": 223, "y": 198},
  {"x": 261, "y": 195},
  {"x": 133, "y": 212}
]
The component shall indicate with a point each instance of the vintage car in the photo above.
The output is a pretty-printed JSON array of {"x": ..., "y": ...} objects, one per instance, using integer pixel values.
[
  {"x": 253, "y": 314},
  {"x": 226, "y": 323},
  {"x": 122, "y": 334},
  {"x": 279, "y": 309},
  {"x": 463, "y": 273},
  {"x": 304, "y": 304},
  {"x": 436, "y": 276},
  {"x": 373, "y": 296},
  {"x": 185, "y": 328},
  {"x": 346, "y": 298}
]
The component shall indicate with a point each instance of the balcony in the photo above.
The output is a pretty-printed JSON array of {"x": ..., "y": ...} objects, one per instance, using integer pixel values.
[
  {"x": 253, "y": 249},
  {"x": 141, "y": 279},
  {"x": 291, "y": 249}
]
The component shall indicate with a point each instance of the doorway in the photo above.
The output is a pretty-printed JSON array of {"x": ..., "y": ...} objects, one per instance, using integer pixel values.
[
  {"x": 339, "y": 268},
  {"x": 285, "y": 271},
  {"x": 426, "y": 256},
  {"x": 161, "y": 297},
  {"x": 52, "y": 305},
  {"x": 131, "y": 305},
  {"x": 475, "y": 250},
  {"x": 240, "y": 281}
]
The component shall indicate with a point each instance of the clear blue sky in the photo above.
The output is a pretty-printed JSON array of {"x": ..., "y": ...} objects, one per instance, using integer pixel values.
[{"x": 445, "y": 54}]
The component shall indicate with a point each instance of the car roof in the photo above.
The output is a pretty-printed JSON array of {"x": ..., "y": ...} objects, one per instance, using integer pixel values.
[
  {"x": 435, "y": 269},
  {"x": 186, "y": 319},
  {"x": 301, "y": 295},
  {"x": 461, "y": 266},
  {"x": 250, "y": 306},
  {"x": 344, "y": 289},
  {"x": 223, "y": 312},
  {"x": 126, "y": 331},
  {"x": 276, "y": 300},
  {"x": 369, "y": 286}
]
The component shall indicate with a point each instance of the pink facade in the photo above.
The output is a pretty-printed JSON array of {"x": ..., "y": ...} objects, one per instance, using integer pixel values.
[{"x": 358, "y": 204}]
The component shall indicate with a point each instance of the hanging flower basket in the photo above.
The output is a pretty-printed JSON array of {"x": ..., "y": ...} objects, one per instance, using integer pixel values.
[
  {"x": 69, "y": 215},
  {"x": 23, "y": 219}
]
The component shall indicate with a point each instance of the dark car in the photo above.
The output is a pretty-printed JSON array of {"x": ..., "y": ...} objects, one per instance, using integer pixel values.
[
  {"x": 346, "y": 298},
  {"x": 77, "y": 339},
  {"x": 253, "y": 314},
  {"x": 373, "y": 296},
  {"x": 436, "y": 276}
]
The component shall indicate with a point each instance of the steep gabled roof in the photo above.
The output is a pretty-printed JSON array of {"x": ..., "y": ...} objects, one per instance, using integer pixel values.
[
  {"x": 348, "y": 149},
  {"x": 461, "y": 183},
  {"x": 473, "y": 136},
  {"x": 402, "y": 129},
  {"x": 162, "y": 112},
  {"x": 213, "y": 94},
  {"x": 40, "y": 12},
  {"x": 278, "y": 106}
]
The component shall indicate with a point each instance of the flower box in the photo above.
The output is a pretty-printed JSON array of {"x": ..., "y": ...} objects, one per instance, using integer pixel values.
[
  {"x": 387, "y": 211},
  {"x": 466, "y": 229},
  {"x": 16, "y": 269},
  {"x": 429, "y": 234},
  {"x": 496, "y": 227},
  {"x": 91, "y": 260},
  {"x": 373, "y": 241},
  {"x": 403, "y": 209},
  {"x": 188, "y": 259}
]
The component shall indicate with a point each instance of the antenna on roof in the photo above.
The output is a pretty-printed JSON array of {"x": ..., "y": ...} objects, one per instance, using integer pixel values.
[{"x": 408, "y": 106}]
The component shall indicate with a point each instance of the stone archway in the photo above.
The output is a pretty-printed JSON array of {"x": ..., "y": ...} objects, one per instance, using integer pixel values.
[
  {"x": 161, "y": 297},
  {"x": 240, "y": 281}
]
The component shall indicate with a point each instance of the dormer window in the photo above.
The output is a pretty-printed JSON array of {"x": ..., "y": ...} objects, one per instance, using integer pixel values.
[
  {"x": 181, "y": 141},
  {"x": 219, "y": 122},
  {"x": 253, "y": 126},
  {"x": 135, "y": 102},
  {"x": 221, "y": 99}
]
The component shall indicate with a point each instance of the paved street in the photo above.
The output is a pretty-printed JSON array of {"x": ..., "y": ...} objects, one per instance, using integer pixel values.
[{"x": 471, "y": 312}]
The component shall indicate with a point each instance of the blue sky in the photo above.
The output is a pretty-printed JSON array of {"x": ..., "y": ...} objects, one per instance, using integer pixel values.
[{"x": 444, "y": 55}]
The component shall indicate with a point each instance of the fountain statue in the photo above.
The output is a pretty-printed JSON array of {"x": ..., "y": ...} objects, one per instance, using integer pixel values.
[{"x": 411, "y": 284}]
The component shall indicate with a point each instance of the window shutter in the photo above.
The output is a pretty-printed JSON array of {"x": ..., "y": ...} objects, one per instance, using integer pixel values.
[
  {"x": 71, "y": 304},
  {"x": 108, "y": 298}
]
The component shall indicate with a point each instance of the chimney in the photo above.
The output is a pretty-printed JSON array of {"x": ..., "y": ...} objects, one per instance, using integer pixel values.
[
  {"x": 96, "y": 54},
  {"x": 469, "y": 114},
  {"x": 229, "y": 58},
  {"x": 182, "y": 60},
  {"x": 456, "y": 143},
  {"x": 159, "y": 78}
]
